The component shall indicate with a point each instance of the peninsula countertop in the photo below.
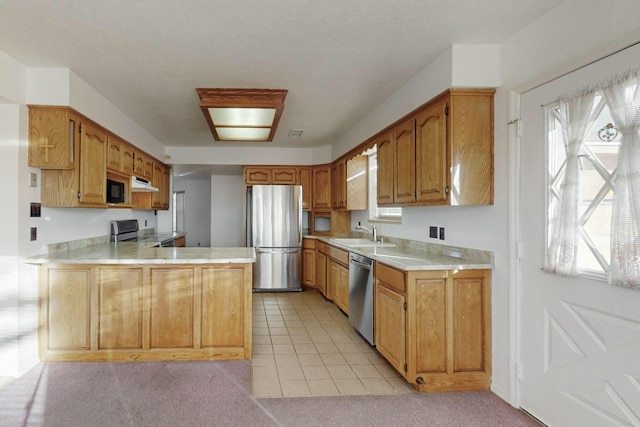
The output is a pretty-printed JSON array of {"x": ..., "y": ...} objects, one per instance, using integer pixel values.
[{"x": 145, "y": 253}]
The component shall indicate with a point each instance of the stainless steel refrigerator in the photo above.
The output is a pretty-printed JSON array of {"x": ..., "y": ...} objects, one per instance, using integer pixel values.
[{"x": 274, "y": 229}]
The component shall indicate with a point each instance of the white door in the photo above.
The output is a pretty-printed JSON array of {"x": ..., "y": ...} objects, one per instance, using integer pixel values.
[{"x": 579, "y": 337}]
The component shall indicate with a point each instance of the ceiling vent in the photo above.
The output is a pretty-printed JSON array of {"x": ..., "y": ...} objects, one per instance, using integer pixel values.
[{"x": 295, "y": 133}]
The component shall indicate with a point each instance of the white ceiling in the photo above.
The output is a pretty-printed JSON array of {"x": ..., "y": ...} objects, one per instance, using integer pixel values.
[{"x": 337, "y": 58}]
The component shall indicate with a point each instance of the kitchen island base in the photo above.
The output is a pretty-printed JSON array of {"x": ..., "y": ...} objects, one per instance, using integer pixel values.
[{"x": 145, "y": 312}]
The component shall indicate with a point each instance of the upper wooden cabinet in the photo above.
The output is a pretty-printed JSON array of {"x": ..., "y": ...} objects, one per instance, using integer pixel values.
[
  {"x": 305, "y": 178},
  {"x": 266, "y": 175},
  {"x": 339, "y": 184},
  {"x": 143, "y": 165},
  {"x": 75, "y": 155},
  {"x": 162, "y": 180},
  {"x": 119, "y": 156},
  {"x": 321, "y": 187},
  {"x": 385, "y": 158},
  {"x": 85, "y": 184},
  {"x": 442, "y": 154},
  {"x": 53, "y": 134}
]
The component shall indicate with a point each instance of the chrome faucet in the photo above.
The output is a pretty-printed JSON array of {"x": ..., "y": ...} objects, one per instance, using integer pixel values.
[{"x": 374, "y": 235}]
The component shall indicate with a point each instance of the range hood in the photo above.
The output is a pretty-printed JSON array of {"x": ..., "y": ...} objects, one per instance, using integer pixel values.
[{"x": 141, "y": 185}]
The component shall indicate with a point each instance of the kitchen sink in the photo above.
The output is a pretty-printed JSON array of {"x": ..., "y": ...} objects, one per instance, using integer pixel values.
[{"x": 362, "y": 243}]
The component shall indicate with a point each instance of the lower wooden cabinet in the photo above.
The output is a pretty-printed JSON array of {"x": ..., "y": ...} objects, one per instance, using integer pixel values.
[
  {"x": 338, "y": 277},
  {"x": 390, "y": 307},
  {"x": 309, "y": 263},
  {"x": 434, "y": 327},
  {"x": 321, "y": 268},
  {"x": 143, "y": 312}
]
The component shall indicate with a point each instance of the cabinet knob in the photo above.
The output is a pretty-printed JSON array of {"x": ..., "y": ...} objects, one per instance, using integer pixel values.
[{"x": 446, "y": 190}]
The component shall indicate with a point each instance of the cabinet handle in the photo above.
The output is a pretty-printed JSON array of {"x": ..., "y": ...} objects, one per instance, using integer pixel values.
[{"x": 446, "y": 190}]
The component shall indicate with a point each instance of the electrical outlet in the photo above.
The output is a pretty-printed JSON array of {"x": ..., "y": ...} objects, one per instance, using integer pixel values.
[
  {"x": 33, "y": 180},
  {"x": 34, "y": 233},
  {"x": 433, "y": 232},
  {"x": 441, "y": 233}
]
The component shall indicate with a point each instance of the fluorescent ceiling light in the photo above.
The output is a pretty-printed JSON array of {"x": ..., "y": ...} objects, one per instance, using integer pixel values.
[{"x": 242, "y": 114}]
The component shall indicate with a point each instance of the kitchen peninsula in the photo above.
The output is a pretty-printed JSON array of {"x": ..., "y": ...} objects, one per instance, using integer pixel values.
[{"x": 132, "y": 302}]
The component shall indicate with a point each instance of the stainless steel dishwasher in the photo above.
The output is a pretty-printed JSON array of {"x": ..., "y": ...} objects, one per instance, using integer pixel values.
[{"x": 361, "y": 295}]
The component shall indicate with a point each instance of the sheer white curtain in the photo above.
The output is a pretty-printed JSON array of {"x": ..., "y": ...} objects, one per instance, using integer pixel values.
[
  {"x": 623, "y": 98},
  {"x": 576, "y": 116}
]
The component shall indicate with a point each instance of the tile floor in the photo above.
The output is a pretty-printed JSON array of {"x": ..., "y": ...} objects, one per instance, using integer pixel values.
[{"x": 303, "y": 345}]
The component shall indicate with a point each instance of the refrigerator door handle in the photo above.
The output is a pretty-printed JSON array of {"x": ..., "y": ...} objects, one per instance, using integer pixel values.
[{"x": 277, "y": 251}]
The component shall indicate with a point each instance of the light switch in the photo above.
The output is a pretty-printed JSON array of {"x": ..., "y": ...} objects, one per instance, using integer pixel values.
[{"x": 33, "y": 180}]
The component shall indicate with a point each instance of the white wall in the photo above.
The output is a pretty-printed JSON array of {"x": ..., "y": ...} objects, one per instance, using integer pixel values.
[
  {"x": 227, "y": 210},
  {"x": 574, "y": 33},
  {"x": 197, "y": 210}
]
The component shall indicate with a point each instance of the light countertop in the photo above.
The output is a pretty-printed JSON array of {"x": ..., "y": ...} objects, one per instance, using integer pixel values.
[
  {"x": 411, "y": 255},
  {"x": 144, "y": 253}
]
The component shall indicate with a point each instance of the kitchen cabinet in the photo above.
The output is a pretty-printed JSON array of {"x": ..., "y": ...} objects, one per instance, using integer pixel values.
[
  {"x": 144, "y": 312},
  {"x": 266, "y": 175},
  {"x": 339, "y": 184},
  {"x": 119, "y": 156},
  {"x": 143, "y": 165},
  {"x": 390, "y": 315},
  {"x": 321, "y": 198},
  {"x": 385, "y": 158},
  {"x": 357, "y": 183},
  {"x": 85, "y": 184},
  {"x": 349, "y": 183},
  {"x": 53, "y": 136},
  {"x": 161, "y": 180},
  {"x": 305, "y": 178},
  {"x": 309, "y": 263},
  {"x": 434, "y": 327},
  {"x": 157, "y": 200},
  {"x": 321, "y": 268},
  {"x": 442, "y": 153},
  {"x": 338, "y": 277}
]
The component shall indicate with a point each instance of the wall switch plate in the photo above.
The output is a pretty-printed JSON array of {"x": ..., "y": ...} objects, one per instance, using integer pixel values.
[
  {"x": 441, "y": 233},
  {"x": 433, "y": 232},
  {"x": 34, "y": 233},
  {"x": 33, "y": 179}
]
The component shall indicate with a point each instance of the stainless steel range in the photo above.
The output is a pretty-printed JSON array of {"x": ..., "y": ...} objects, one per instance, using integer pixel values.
[{"x": 127, "y": 230}]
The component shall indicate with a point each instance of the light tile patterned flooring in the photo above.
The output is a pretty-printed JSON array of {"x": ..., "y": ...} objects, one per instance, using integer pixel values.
[{"x": 303, "y": 345}]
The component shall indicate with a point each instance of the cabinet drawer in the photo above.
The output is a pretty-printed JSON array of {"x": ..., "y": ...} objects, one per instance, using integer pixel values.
[
  {"x": 321, "y": 247},
  {"x": 338, "y": 255},
  {"x": 391, "y": 277},
  {"x": 309, "y": 243}
]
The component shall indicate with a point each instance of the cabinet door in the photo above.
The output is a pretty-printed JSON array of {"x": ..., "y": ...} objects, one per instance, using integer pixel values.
[
  {"x": 52, "y": 137},
  {"x": 172, "y": 310},
  {"x": 322, "y": 187},
  {"x": 338, "y": 185},
  {"x": 126, "y": 159},
  {"x": 120, "y": 308},
  {"x": 404, "y": 164},
  {"x": 431, "y": 325},
  {"x": 257, "y": 176},
  {"x": 304, "y": 179},
  {"x": 342, "y": 288},
  {"x": 67, "y": 311},
  {"x": 385, "y": 169},
  {"x": 138, "y": 164},
  {"x": 333, "y": 280},
  {"x": 283, "y": 176},
  {"x": 390, "y": 325},
  {"x": 223, "y": 309},
  {"x": 161, "y": 179},
  {"x": 357, "y": 181},
  {"x": 432, "y": 155},
  {"x": 309, "y": 267},
  {"x": 93, "y": 171},
  {"x": 321, "y": 271}
]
